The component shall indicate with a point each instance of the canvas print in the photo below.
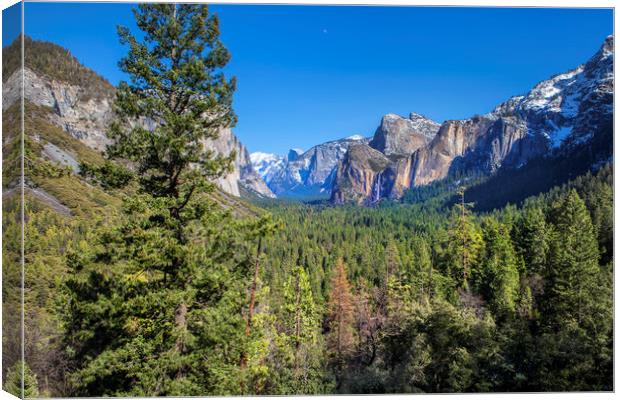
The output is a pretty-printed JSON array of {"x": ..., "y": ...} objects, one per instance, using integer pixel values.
[{"x": 219, "y": 199}]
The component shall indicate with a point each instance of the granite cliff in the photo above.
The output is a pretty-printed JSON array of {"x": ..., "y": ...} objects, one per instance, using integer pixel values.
[
  {"x": 565, "y": 113},
  {"x": 80, "y": 102}
]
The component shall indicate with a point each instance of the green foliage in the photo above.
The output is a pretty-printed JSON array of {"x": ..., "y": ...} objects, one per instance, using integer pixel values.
[
  {"x": 298, "y": 358},
  {"x": 464, "y": 245},
  {"x": 21, "y": 382},
  {"x": 573, "y": 264},
  {"x": 532, "y": 239},
  {"x": 498, "y": 279},
  {"x": 156, "y": 303},
  {"x": 110, "y": 175},
  {"x": 506, "y": 332},
  {"x": 176, "y": 81},
  {"x": 147, "y": 293}
]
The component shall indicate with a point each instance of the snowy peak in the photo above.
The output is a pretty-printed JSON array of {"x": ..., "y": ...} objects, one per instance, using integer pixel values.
[
  {"x": 266, "y": 164},
  {"x": 569, "y": 114},
  {"x": 557, "y": 108},
  {"x": 305, "y": 174},
  {"x": 355, "y": 137}
]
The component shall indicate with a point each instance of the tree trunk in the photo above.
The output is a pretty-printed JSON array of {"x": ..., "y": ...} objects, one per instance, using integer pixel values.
[
  {"x": 248, "y": 326},
  {"x": 180, "y": 319}
]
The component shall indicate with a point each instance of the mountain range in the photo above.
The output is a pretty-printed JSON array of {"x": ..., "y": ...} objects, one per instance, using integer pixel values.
[
  {"x": 567, "y": 115},
  {"x": 304, "y": 174}
]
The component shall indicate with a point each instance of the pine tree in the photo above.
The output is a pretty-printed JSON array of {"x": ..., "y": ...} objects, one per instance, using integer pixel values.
[
  {"x": 499, "y": 276},
  {"x": 531, "y": 239},
  {"x": 155, "y": 305},
  {"x": 464, "y": 243},
  {"x": 392, "y": 261},
  {"x": 21, "y": 381},
  {"x": 340, "y": 316},
  {"x": 421, "y": 272},
  {"x": 303, "y": 365},
  {"x": 573, "y": 265}
]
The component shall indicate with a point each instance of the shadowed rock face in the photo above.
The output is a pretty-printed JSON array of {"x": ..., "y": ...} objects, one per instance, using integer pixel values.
[
  {"x": 358, "y": 175},
  {"x": 476, "y": 145},
  {"x": 87, "y": 118},
  {"x": 564, "y": 111}
]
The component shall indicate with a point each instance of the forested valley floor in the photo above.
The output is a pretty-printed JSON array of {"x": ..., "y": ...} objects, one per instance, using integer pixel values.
[{"x": 422, "y": 297}]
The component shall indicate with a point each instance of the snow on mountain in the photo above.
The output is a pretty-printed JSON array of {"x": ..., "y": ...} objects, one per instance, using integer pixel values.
[
  {"x": 266, "y": 164},
  {"x": 355, "y": 137},
  {"x": 568, "y": 114},
  {"x": 304, "y": 174},
  {"x": 558, "y": 108},
  {"x": 402, "y": 136}
]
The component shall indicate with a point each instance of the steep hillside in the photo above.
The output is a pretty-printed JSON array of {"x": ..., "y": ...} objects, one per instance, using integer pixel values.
[
  {"x": 361, "y": 166},
  {"x": 81, "y": 102}
]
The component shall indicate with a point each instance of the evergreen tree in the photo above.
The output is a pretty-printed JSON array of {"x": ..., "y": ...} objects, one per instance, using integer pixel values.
[
  {"x": 421, "y": 273},
  {"x": 573, "y": 264},
  {"x": 499, "y": 276},
  {"x": 392, "y": 261},
  {"x": 155, "y": 305},
  {"x": 531, "y": 239},
  {"x": 20, "y": 373},
  {"x": 464, "y": 244},
  {"x": 340, "y": 317},
  {"x": 301, "y": 363}
]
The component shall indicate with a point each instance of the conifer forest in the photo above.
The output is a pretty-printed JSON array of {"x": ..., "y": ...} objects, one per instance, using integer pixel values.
[{"x": 143, "y": 277}]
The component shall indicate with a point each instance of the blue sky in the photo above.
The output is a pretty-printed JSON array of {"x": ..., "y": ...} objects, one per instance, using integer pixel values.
[{"x": 308, "y": 74}]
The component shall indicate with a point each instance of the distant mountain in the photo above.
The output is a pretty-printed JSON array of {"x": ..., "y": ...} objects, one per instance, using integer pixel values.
[
  {"x": 568, "y": 113},
  {"x": 305, "y": 175},
  {"x": 79, "y": 101},
  {"x": 267, "y": 164}
]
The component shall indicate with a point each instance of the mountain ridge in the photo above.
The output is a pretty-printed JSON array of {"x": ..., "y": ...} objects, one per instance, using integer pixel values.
[
  {"x": 82, "y": 105},
  {"x": 564, "y": 111}
]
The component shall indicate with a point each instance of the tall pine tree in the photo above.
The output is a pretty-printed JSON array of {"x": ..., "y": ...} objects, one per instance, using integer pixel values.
[
  {"x": 499, "y": 276},
  {"x": 464, "y": 244},
  {"x": 340, "y": 318},
  {"x": 573, "y": 264},
  {"x": 155, "y": 307}
]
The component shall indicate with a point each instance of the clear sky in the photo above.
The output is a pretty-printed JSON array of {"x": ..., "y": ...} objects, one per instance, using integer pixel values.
[{"x": 308, "y": 74}]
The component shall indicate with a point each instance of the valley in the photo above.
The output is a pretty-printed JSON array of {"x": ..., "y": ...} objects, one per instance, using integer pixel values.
[{"x": 163, "y": 258}]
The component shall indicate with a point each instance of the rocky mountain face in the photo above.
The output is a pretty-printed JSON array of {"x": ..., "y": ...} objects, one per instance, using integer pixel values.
[
  {"x": 308, "y": 174},
  {"x": 394, "y": 141},
  {"x": 267, "y": 164},
  {"x": 81, "y": 102},
  {"x": 560, "y": 114},
  {"x": 84, "y": 118},
  {"x": 358, "y": 176},
  {"x": 403, "y": 136},
  {"x": 243, "y": 178}
]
